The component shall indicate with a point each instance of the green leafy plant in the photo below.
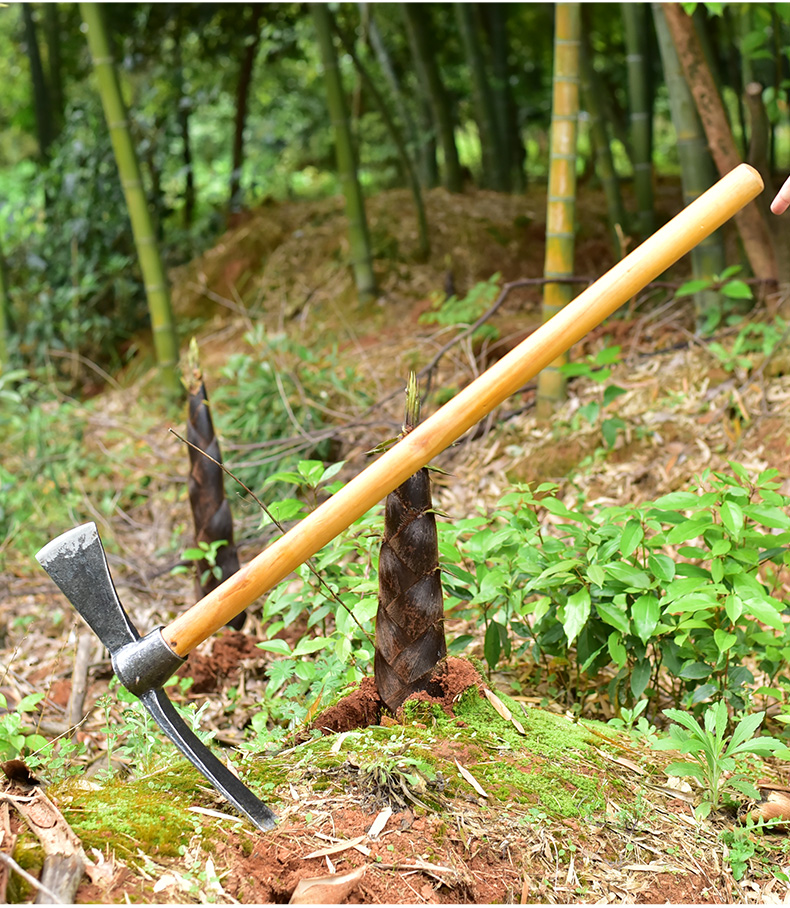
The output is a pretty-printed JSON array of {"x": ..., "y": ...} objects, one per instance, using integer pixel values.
[
  {"x": 84, "y": 296},
  {"x": 466, "y": 310},
  {"x": 715, "y": 755},
  {"x": 676, "y": 594},
  {"x": 297, "y": 689},
  {"x": 204, "y": 551},
  {"x": 277, "y": 402},
  {"x": 15, "y": 740},
  {"x": 734, "y": 295},
  {"x": 755, "y": 340},
  {"x": 631, "y": 720},
  {"x": 598, "y": 368}
]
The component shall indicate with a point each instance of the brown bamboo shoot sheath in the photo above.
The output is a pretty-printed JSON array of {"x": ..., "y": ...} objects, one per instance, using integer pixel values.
[{"x": 494, "y": 386}]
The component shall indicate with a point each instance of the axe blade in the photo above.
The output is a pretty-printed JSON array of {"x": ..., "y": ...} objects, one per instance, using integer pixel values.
[{"x": 76, "y": 561}]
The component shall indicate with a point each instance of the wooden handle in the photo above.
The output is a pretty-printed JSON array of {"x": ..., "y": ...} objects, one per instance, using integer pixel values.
[{"x": 479, "y": 398}]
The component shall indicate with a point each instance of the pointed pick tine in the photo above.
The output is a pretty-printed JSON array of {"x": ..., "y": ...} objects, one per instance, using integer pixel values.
[{"x": 78, "y": 565}]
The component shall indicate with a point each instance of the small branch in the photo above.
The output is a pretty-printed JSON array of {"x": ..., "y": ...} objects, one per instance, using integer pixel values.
[
  {"x": 427, "y": 371},
  {"x": 79, "y": 683},
  {"x": 29, "y": 878}
]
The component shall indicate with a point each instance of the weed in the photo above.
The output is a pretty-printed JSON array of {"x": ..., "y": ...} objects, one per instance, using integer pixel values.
[
  {"x": 715, "y": 753},
  {"x": 630, "y": 719},
  {"x": 734, "y": 295},
  {"x": 598, "y": 369},
  {"x": 758, "y": 339},
  {"x": 204, "y": 551},
  {"x": 466, "y": 310},
  {"x": 279, "y": 400},
  {"x": 15, "y": 741}
]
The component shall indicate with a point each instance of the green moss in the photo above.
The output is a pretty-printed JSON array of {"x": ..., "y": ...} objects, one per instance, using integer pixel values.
[
  {"x": 150, "y": 813},
  {"x": 29, "y": 854}
]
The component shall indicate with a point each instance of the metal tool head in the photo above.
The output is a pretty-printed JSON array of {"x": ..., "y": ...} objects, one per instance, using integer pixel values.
[{"x": 76, "y": 561}]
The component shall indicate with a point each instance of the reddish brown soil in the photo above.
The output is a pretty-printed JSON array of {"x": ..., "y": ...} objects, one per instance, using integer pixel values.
[
  {"x": 363, "y": 706},
  {"x": 209, "y": 672}
]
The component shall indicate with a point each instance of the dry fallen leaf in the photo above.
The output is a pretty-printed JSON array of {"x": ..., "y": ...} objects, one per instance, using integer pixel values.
[
  {"x": 775, "y": 805},
  {"x": 380, "y": 822},
  {"x": 326, "y": 890},
  {"x": 465, "y": 774},
  {"x": 503, "y": 711},
  {"x": 335, "y": 849},
  {"x": 19, "y": 774}
]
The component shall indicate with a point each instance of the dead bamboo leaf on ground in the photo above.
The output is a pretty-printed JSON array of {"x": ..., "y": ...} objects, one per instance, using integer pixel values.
[
  {"x": 503, "y": 711},
  {"x": 467, "y": 776},
  {"x": 336, "y": 849},
  {"x": 326, "y": 890},
  {"x": 380, "y": 822}
]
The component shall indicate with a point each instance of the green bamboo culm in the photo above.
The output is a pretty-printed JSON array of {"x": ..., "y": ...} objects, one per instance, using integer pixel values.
[
  {"x": 494, "y": 159},
  {"x": 697, "y": 170},
  {"x": 418, "y": 32},
  {"x": 358, "y": 235},
  {"x": 604, "y": 161},
  {"x": 561, "y": 202},
  {"x": 635, "y": 19},
  {"x": 156, "y": 286},
  {"x": 423, "y": 234}
]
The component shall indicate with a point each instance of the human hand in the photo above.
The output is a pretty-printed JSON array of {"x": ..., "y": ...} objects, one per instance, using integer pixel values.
[{"x": 781, "y": 202}]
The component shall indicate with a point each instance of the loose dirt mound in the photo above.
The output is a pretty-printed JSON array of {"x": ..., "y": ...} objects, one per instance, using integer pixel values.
[{"x": 363, "y": 706}]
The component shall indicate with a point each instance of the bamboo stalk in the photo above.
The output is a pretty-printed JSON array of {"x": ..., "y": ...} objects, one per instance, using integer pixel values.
[
  {"x": 561, "y": 199},
  {"x": 504, "y": 378},
  {"x": 358, "y": 233},
  {"x": 157, "y": 288}
]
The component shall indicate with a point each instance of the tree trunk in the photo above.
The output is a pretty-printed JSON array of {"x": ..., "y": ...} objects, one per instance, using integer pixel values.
[
  {"x": 641, "y": 114},
  {"x": 429, "y": 165},
  {"x": 156, "y": 286},
  {"x": 359, "y": 238},
  {"x": 604, "y": 162},
  {"x": 751, "y": 225},
  {"x": 759, "y": 157},
  {"x": 413, "y": 139},
  {"x": 561, "y": 203},
  {"x": 183, "y": 109},
  {"x": 511, "y": 142},
  {"x": 424, "y": 243},
  {"x": 54, "y": 37},
  {"x": 494, "y": 164},
  {"x": 696, "y": 167},
  {"x": 428, "y": 75},
  {"x": 758, "y": 132},
  {"x": 41, "y": 96},
  {"x": 242, "y": 103}
]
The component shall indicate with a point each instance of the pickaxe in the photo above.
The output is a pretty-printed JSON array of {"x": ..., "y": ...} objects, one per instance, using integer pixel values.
[{"x": 77, "y": 563}]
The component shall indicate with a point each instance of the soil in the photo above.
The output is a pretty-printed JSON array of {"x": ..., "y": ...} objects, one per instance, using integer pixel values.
[{"x": 682, "y": 412}]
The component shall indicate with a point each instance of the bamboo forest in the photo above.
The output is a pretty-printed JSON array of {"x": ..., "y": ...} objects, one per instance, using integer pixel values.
[{"x": 395, "y": 453}]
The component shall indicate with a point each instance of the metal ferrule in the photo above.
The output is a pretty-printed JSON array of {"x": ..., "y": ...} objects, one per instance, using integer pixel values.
[{"x": 146, "y": 664}]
